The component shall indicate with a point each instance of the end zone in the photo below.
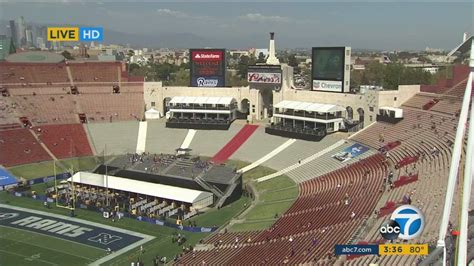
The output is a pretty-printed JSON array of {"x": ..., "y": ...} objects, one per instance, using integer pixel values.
[{"x": 73, "y": 229}]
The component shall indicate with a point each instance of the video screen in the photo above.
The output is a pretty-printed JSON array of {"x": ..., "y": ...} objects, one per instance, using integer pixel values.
[{"x": 328, "y": 63}]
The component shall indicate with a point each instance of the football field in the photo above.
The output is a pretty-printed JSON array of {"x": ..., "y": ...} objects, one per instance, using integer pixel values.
[
  {"x": 29, "y": 237},
  {"x": 19, "y": 247}
]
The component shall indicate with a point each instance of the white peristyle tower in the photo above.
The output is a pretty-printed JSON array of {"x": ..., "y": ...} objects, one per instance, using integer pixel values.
[{"x": 272, "y": 59}]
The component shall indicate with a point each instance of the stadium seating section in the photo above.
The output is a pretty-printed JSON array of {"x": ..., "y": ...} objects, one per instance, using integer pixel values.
[
  {"x": 316, "y": 221},
  {"x": 18, "y": 146},
  {"x": 65, "y": 141},
  {"x": 25, "y": 73},
  {"x": 95, "y": 72}
]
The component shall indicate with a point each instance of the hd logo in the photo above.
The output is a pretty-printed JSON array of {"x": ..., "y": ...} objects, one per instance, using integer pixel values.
[
  {"x": 74, "y": 34},
  {"x": 406, "y": 222}
]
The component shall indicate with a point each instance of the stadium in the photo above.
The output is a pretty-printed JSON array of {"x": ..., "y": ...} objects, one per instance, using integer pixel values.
[{"x": 101, "y": 167}]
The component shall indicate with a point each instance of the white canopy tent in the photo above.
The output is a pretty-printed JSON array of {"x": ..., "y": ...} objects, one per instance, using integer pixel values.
[
  {"x": 152, "y": 114},
  {"x": 310, "y": 107},
  {"x": 198, "y": 199},
  {"x": 398, "y": 112}
]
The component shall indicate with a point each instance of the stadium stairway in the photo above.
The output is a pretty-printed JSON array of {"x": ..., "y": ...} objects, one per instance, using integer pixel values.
[
  {"x": 141, "y": 141},
  {"x": 324, "y": 164},
  {"x": 234, "y": 144},
  {"x": 303, "y": 162}
]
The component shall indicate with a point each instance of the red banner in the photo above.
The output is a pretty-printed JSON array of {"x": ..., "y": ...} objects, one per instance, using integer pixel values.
[{"x": 207, "y": 56}]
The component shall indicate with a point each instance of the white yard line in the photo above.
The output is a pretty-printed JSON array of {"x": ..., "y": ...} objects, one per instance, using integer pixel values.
[
  {"x": 141, "y": 141},
  {"x": 187, "y": 140},
  {"x": 268, "y": 156}
]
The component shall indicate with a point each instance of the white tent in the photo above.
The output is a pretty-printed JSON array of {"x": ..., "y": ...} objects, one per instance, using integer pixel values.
[
  {"x": 310, "y": 107},
  {"x": 152, "y": 114},
  {"x": 197, "y": 198}
]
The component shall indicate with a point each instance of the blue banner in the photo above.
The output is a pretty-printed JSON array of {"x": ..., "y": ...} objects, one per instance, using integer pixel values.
[
  {"x": 356, "y": 250},
  {"x": 207, "y": 81},
  {"x": 6, "y": 178},
  {"x": 350, "y": 152},
  {"x": 47, "y": 179}
]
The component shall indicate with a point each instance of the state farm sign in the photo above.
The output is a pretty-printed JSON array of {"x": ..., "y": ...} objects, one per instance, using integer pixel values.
[
  {"x": 269, "y": 78},
  {"x": 207, "y": 56}
]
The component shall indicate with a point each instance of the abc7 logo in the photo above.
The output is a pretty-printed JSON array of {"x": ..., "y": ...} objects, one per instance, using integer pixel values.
[{"x": 406, "y": 222}]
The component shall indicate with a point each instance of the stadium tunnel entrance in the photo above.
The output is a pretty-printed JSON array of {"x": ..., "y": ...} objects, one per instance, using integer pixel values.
[
  {"x": 266, "y": 96},
  {"x": 361, "y": 117},
  {"x": 350, "y": 113},
  {"x": 244, "y": 108}
]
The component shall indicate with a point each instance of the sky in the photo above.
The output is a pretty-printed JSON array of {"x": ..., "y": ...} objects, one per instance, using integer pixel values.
[{"x": 230, "y": 24}]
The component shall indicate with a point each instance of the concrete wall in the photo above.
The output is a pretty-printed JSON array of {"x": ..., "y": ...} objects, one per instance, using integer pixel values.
[
  {"x": 155, "y": 92},
  {"x": 370, "y": 101}
]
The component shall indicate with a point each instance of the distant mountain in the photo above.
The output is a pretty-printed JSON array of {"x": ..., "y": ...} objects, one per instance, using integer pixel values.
[{"x": 156, "y": 40}]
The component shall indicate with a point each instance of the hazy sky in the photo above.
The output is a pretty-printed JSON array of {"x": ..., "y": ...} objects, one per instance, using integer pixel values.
[{"x": 395, "y": 25}]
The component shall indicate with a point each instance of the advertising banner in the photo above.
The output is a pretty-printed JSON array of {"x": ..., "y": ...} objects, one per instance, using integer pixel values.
[
  {"x": 211, "y": 81},
  {"x": 264, "y": 76},
  {"x": 350, "y": 152},
  {"x": 327, "y": 85},
  {"x": 267, "y": 78}
]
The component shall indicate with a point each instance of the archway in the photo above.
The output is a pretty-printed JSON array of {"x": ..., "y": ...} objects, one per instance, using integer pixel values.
[
  {"x": 361, "y": 116},
  {"x": 350, "y": 113},
  {"x": 166, "y": 104},
  {"x": 245, "y": 106}
]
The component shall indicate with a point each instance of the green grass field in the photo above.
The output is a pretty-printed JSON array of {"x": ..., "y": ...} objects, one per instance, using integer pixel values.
[
  {"x": 20, "y": 247},
  {"x": 29, "y": 171},
  {"x": 276, "y": 195}
]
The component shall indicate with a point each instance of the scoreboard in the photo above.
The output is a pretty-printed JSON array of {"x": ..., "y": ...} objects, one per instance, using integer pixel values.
[{"x": 208, "y": 67}]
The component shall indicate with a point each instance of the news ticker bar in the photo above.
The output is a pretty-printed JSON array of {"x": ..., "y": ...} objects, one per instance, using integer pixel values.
[{"x": 382, "y": 249}]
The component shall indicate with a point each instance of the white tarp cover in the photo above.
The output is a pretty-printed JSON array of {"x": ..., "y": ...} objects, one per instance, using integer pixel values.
[
  {"x": 152, "y": 114},
  {"x": 310, "y": 107},
  {"x": 145, "y": 188},
  {"x": 201, "y": 100}
]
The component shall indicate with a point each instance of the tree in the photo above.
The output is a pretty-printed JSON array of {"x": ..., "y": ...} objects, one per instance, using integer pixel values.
[
  {"x": 180, "y": 78},
  {"x": 374, "y": 74},
  {"x": 392, "y": 76},
  {"x": 244, "y": 63},
  {"x": 132, "y": 67},
  {"x": 292, "y": 60},
  {"x": 67, "y": 55},
  {"x": 356, "y": 78},
  {"x": 261, "y": 58}
]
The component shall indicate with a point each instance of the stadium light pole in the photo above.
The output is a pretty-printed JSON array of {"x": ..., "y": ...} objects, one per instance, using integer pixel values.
[
  {"x": 455, "y": 159},
  {"x": 468, "y": 176},
  {"x": 106, "y": 179}
]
